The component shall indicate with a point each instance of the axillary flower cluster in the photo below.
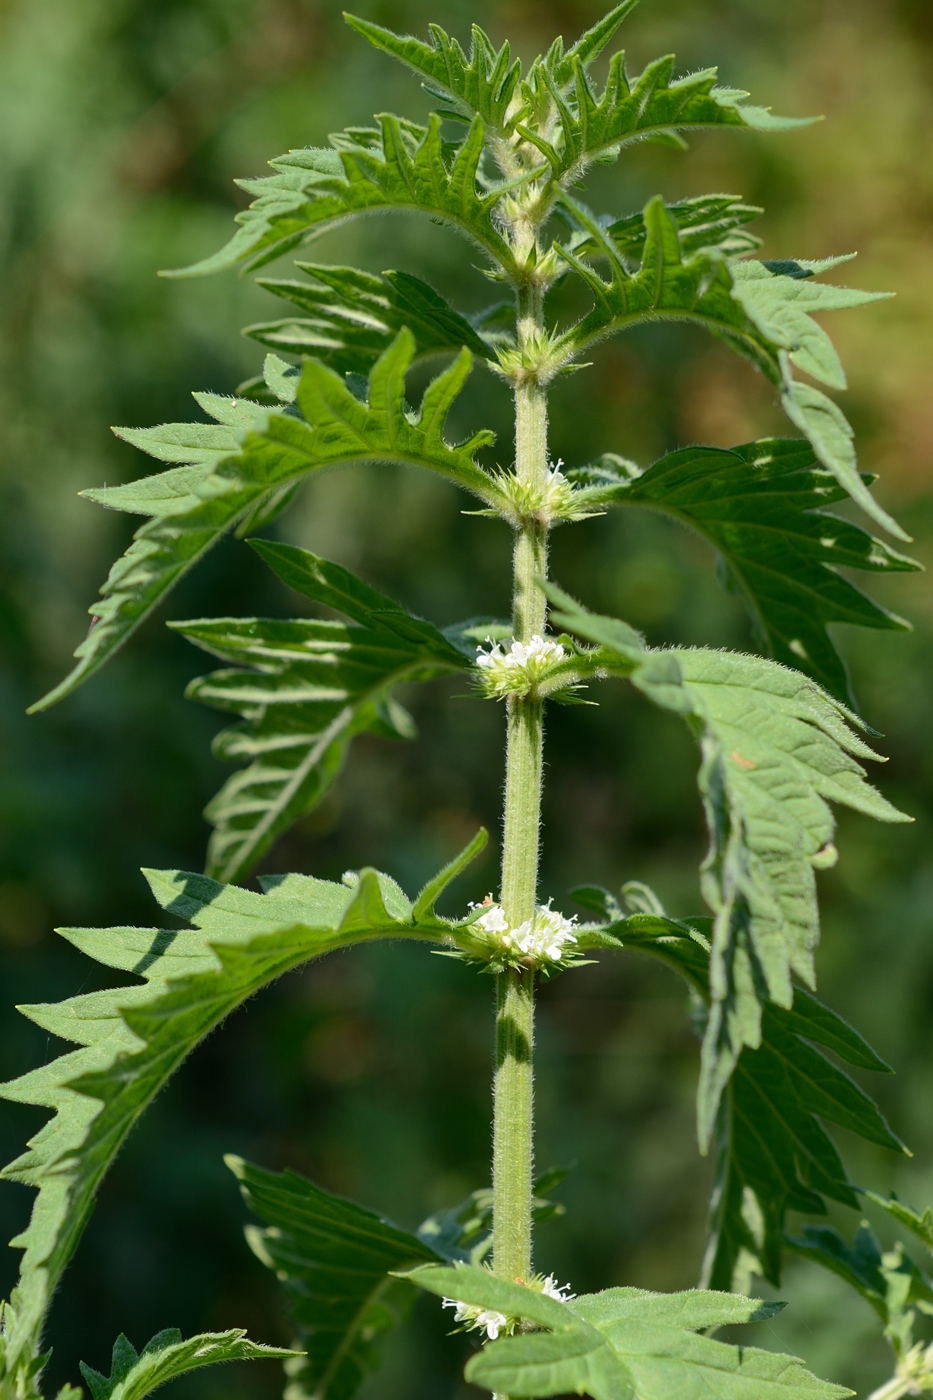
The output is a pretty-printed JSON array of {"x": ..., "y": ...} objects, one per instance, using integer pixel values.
[
  {"x": 546, "y": 939},
  {"x": 520, "y": 669},
  {"x": 496, "y": 1324}
]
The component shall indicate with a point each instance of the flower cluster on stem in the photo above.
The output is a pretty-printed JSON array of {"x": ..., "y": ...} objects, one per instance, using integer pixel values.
[{"x": 544, "y": 941}]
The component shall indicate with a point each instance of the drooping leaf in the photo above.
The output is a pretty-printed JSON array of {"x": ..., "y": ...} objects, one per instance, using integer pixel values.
[
  {"x": 305, "y": 688},
  {"x": 773, "y": 1153},
  {"x": 353, "y": 316},
  {"x": 776, "y": 750},
  {"x": 760, "y": 309},
  {"x": 335, "y": 1260},
  {"x": 592, "y": 126},
  {"x": 397, "y": 166},
  {"x": 763, "y": 507},
  {"x": 624, "y": 1344},
  {"x": 134, "y": 1375},
  {"x": 192, "y": 506},
  {"x": 132, "y": 1038}
]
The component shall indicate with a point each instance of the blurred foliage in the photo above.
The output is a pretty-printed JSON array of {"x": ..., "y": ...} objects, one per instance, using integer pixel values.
[{"x": 124, "y": 123}]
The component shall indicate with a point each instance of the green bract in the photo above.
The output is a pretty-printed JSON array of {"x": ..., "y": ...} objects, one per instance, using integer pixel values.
[{"x": 501, "y": 160}]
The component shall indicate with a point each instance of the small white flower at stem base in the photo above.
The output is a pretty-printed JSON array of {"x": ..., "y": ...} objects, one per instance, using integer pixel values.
[
  {"x": 488, "y": 1319},
  {"x": 517, "y": 670},
  {"x": 551, "y": 1289},
  {"x": 547, "y": 937}
]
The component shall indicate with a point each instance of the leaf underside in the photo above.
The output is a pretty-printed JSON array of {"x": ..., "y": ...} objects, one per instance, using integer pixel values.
[
  {"x": 763, "y": 507},
  {"x": 132, "y": 1038},
  {"x": 775, "y": 751},
  {"x": 305, "y": 689},
  {"x": 773, "y": 1153},
  {"x": 622, "y": 1344},
  {"x": 250, "y": 455}
]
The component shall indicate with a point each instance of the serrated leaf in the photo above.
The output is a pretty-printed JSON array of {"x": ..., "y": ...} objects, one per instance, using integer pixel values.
[
  {"x": 776, "y": 750},
  {"x": 763, "y": 508},
  {"x": 917, "y": 1224},
  {"x": 760, "y": 309},
  {"x": 192, "y": 507},
  {"x": 134, "y": 1375},
  {"x": 589, "y": 46},
  {"x": 482, "y": 84},
  {"x": 773, "y": 1153},
  {"x": 625, "y": 1344},
  {"x": 887, "y": 1279},
  {"x": 305, "y": 689},
  {"x": 397, "y": 166},
  {"x": 134, "y": 1037},
  {"x": 591, "y": 126},
  {"x": 353, "y": 316},
  {"x": 706, "y": 222},
  {"x": 335, "y": 1260}
]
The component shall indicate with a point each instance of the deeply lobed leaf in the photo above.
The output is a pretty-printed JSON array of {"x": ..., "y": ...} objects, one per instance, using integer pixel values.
[
  {"x": 305, "y": 689},
  {"x": 335, "y": 1260},
  {"x": 260, "y": 454},
  {"x": 355, "y": 315},
  {"x": 397, "y": 166},
  {"x": 134, "y": 1375},
  {"x": 773, "y": 1153},
  {"x": 763, "y": 507},
  {"x": 776, "y": 750},
  {"x": 761, "y": 309},
  {"x": 132, "y": 1038}
]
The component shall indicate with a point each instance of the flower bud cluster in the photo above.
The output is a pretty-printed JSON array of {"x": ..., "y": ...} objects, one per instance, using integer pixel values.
[
  {"x": 545, "y": 939},
  {"x": 545, "y": 502},
  {"x": 496, "y": 1324},
  {"x": 520, "y": 669}
]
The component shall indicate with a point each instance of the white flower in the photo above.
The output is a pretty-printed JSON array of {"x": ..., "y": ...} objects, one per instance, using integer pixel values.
[
  {"x": 517, "y": 670},
  {"x": 486, "y": 1318},
  {"x": 551, "y": 1289},
  {"x": 544, "y": 938}
]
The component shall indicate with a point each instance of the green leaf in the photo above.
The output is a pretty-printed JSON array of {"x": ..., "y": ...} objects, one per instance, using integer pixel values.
[
  {"x": 132, "y": 1038},
  {"x": 589, "y": 46},
  {"x": 776, "y": 750},
  {"x": 763, "y": 508},
  {"x": 482, "y": 85},
  {"x": 134, "y": 1375},
  {"x": 917, "y": 1224},
  {"x": 706, "y": 222},
  {"x": 354, "y": 315},
  {"x": 397, "y": 166},
  {"x": 305, "y": 689},
  {"x": 335, "y": 1260},
  {"x": 889, "y": 1280},
  {"x": 773, "y": 1153},
  {"x": 625, "y": 1344},
  {"x": 193, "y": 506},
  {"x": 763, "y": 310},
  {"x": 592, "y": 126}
]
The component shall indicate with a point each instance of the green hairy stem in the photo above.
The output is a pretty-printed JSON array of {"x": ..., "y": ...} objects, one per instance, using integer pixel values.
[
  {"x": 513, "y": 1127},
  {"x": 778, "y": 744}
]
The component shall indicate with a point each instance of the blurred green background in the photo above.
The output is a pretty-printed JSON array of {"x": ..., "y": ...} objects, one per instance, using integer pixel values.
[{"x": 124, "y": 123}]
